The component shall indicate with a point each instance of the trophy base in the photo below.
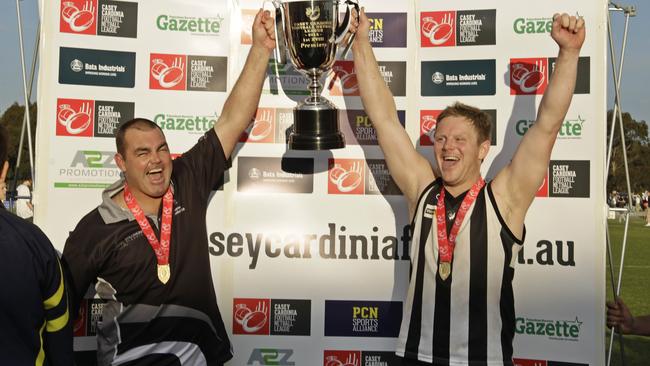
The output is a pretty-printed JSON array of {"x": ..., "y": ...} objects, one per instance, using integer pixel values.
[{"x": 316, "y": 130}]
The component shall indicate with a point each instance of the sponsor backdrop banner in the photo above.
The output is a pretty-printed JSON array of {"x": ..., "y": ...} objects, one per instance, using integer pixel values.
[{"x": 309, "y": 249}]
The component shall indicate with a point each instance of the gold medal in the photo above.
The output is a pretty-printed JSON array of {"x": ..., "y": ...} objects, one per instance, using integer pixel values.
[
  {"x": 164, "y": 273},
  {"x": 444, "y": 269}
]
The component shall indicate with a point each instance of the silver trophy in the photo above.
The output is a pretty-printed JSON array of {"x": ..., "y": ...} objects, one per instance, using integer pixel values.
[{"x": 311, "y": 32}]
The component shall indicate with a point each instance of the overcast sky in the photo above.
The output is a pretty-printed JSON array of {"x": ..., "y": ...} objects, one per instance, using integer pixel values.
[{"x": 635, "y": 87}]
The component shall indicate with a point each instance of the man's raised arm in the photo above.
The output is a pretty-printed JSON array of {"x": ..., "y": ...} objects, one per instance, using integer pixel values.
[
  {"x": 240, "y": 107},
  {"x": 515, "y": 186},
  {"x": 410, "y": 170}
]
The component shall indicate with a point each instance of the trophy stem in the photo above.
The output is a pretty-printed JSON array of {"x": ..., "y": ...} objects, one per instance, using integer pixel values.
[{"x": 315, "y": 87}]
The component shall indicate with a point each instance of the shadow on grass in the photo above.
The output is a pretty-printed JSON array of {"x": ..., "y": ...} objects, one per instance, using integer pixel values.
[{"x": 637, "y": 350}]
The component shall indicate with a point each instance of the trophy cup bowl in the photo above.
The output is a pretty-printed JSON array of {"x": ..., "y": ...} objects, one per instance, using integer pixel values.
[{"x": 310, "y": 31}]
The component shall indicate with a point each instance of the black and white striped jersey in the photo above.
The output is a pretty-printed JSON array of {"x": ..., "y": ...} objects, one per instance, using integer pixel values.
[{"x": 468, "y": 319}]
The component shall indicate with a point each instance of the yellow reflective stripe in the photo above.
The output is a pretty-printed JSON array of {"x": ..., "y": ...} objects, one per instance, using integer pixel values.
[
  {"x": 58, "y": 323},
  {"x": 55, "y": 299},
  {"x": 41, "y": 353}
]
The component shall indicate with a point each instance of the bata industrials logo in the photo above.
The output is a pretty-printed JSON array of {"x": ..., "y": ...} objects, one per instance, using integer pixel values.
[
  {"x": 83, "y": 66},
  {"x": 566, "y": 178},
  {"x": 359, "y": 177},
  {"x": 275, "y": 175},
  {"x": 104, "y": 18},
  {"x": 88, "y": 118},
  {"x": 271, "y": 317},
  {"x": 342, "y": 81},
  {"x": 359, "y": 358},
  {"x": 457, "y": 28},
  {"x": 181, "y": 72},
  {"x": 429, "y": 120},
  {"x": 531, "y": 75},
  {"x": 528, "y": 362}
]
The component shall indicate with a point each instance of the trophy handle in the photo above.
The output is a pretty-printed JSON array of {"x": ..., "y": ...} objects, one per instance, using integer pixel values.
[
  {"x": 280, "y": 51},
  {"x": 342, "y": 30}
]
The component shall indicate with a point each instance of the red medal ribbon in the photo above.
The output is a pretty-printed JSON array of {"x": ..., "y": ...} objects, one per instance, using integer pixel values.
[
  {"x": 446, "y": 245},
  {"x": 161, "y": 248}
]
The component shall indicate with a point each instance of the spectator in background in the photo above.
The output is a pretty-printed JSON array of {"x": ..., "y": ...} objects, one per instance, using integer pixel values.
[
  {"x": 619, "y": 316},
  {"x": 24, "y": 207},
  {"x": 35, "y": 326}
]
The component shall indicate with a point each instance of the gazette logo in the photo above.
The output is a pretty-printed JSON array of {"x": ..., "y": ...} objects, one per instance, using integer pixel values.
[
  {"x": 563, "y": 330},
  {"x": 530, "y": 76},
  {"x": 532, "y": 25},
  {"x": 204, "y": 26},
  {"x": 82, "y": 66},
  {"x": 271, "y": 317},
  {"x": 275, "y": 175},
  {"x": 181, "y": 72},
  {"x": 271, "y": 356},
  {"x": 103, "y": 17},
  {"x": 362, "y": 318},
  {"x": 528, "y": 362},
  {"x": 342, "y": 81},
  {"x": 88, "y": 118},
  {"x": 387, "y": 29},
  {"x": 464, "y": 77},
  {"x": 457, "y": 28},
  {"x": 359, "y": 358},
  {"x": 185, "y": 123},
  {"x": 361, "y": 126},
  {"x": 571, "y": 129}
]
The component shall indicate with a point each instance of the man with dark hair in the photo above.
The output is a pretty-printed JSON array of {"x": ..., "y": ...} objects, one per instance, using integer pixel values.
[
  {"x": 459, "y": 308},
  {"x": 145, "y": 247},
  {"x": 35, "y": 325}
]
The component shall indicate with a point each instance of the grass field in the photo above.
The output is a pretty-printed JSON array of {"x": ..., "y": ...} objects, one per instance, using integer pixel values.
[{"x": 635, "y": 289}]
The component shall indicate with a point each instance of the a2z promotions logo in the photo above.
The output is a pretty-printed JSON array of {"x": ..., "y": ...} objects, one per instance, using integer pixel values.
[{"x": 271, "y": 356}]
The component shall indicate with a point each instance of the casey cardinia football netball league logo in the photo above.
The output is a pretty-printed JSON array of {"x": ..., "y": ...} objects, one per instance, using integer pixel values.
[
  {"x": 74, "y": 117},
  {"x": 428, "y": 120},
  {"x": 346, "y": 176},
  {"x": 342, "y": 358},
  {"x": 78, "y": 16},
  {"x": 343, "y": 80},
  {"x": 438, "y": 28},
  {"x": 167, "y": 71},
  {"x": 251, "y": 316},
  {"x": 528, "y": 75},
  {"x": 261, "y": 130}
]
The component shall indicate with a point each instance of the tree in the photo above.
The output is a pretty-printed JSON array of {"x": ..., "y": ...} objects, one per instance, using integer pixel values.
[
  {"x": 12, "y": 119},
  {"x": 637, "y": 145}
]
